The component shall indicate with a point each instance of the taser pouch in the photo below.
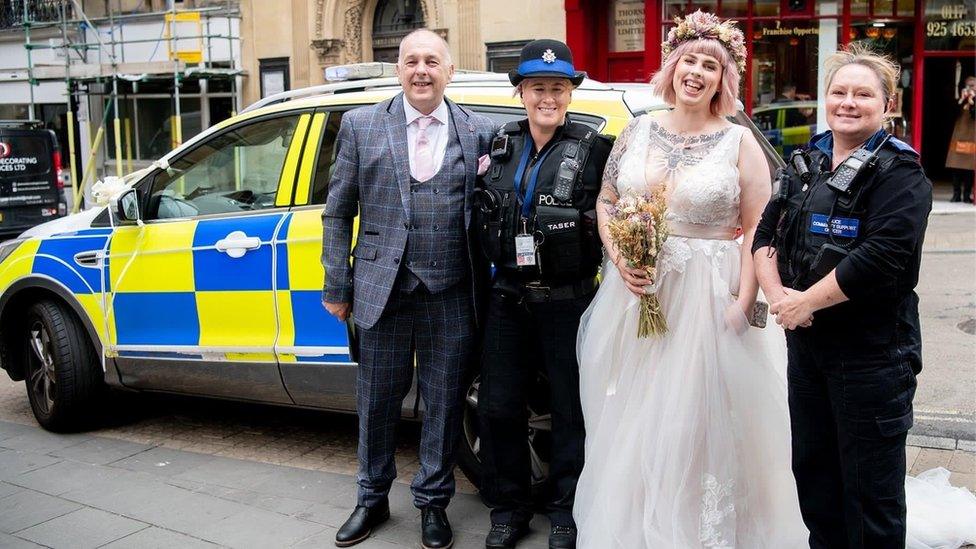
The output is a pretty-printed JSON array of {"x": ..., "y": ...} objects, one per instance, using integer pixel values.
[{"x": 560, "y": 251}]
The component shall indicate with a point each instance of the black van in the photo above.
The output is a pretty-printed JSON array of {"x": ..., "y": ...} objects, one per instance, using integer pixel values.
[{"x": 31, "y": 184}]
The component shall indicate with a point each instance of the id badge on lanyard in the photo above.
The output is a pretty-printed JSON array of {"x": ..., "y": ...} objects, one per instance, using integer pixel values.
[{"x": 524, "y": 247}]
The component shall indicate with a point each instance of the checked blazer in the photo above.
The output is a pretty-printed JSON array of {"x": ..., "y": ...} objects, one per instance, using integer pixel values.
[{"x": 372, "y": 179}]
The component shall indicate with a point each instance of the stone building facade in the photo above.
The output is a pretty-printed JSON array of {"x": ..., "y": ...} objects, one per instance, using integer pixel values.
[{"x": 300, "y": 38}]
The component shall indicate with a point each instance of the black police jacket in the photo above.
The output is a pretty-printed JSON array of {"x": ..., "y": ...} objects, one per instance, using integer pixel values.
[
  {"x": 874, "y": 245},
  {"x": 565, "y": 231}
]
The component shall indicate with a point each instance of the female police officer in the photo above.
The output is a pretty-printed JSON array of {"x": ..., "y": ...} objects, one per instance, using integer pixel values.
[
  {"x": 538, "y": 227},
  {"x": 837, "y": 254}
]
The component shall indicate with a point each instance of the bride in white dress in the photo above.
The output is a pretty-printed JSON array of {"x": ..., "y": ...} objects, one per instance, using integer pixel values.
[{"x": 687, "y": 433}]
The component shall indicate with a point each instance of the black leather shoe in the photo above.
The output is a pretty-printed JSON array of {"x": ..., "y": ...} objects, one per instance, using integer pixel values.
[
  {"x": 361, "y": 523},
  {"x": 435, "y": 530},
  {"x": 562, "y": 537},
  {"x": 505, "y": 536}
]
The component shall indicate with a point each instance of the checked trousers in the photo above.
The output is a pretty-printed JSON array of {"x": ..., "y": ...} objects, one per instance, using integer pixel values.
[{"x": 440, "y": 327}]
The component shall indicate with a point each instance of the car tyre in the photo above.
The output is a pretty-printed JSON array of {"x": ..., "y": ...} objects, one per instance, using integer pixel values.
[
  {"x": 539, "y": 434},
  {"x": 63, "y": 375}
]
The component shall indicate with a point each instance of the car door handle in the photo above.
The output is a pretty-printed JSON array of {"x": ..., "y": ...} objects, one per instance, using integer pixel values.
[{"x": 237, "y": 243}]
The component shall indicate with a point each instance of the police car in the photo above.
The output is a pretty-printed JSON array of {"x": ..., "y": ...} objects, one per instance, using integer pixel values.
[
  {"x": 787, "y": 125},
  {"x": 203, "y": 276}
]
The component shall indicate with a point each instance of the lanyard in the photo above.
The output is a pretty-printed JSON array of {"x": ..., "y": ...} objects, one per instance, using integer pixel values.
[{"x": 533, "y": 176}]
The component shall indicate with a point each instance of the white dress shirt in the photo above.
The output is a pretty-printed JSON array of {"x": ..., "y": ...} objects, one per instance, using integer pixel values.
[{"x": 436, "y": 133}]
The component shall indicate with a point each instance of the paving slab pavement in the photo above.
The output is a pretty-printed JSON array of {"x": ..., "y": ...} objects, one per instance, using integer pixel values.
[
  {"x": 83, "y": 490},
  {"x": 182, "y": 472}
]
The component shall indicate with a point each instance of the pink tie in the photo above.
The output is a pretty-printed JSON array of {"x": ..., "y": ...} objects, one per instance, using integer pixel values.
[{"x": 423, "y": 151}]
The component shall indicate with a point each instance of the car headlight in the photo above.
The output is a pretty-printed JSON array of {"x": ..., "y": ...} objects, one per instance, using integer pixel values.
[{"x": 8, "y": 247}]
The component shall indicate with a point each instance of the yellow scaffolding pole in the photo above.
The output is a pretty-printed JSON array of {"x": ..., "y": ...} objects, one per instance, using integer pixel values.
[
  {"x": 89, "y": 167},
  {"x": 128, "y": 145},
  {"x": 117, "y": 127},
  {"x": 71, "y": 152}
]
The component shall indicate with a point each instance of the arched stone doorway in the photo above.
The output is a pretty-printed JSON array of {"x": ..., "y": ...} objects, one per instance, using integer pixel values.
[
  {"x": 392, "y": 20},
  {"x": 344, "y": 29}
]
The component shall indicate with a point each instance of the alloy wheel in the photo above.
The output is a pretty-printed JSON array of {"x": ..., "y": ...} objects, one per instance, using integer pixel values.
[
  {"x": 539, "y": 428},
  {"x": 43, "y": 380}
]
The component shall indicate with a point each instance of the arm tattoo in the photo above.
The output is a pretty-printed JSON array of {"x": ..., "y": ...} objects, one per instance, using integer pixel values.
[{"x": 608, "y": 192}]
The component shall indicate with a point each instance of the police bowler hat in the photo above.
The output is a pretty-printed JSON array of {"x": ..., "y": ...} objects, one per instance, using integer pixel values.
[{"x": 546, "y": 59}]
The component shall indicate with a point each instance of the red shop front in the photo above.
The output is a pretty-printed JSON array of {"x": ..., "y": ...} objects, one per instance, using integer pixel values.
[{"x": 787, "y": 40}]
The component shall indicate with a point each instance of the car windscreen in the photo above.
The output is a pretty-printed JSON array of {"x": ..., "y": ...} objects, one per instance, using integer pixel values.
[{"x": 22, "y": 155}]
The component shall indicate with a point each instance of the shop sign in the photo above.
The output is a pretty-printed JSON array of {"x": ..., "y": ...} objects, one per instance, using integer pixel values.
[
  {"x": 627, "y": 26},
  {"x": 949, "y": 24},
  {"x": 779, "y": 30}
]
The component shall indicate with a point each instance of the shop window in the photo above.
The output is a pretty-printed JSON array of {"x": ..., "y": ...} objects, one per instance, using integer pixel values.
[
  {"x": 906, "y": 8},
  {"x": 884, "y": 7},
  {"x": 832, "y": 8},
  {"x": 950, "y": 25},
  {"x": 680, "y": 8},
  {"x": 503, "y": 56},
  {"x": 626, "y": 25},
  {"x": 897, "y": 40},
  {"x": 734, "y": 8},
  {"x": 784, "y": 62},
  {"x": 765, "y": 8}
]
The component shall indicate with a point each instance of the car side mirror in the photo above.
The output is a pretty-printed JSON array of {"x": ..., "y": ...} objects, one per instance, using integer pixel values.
[{"x": 127, "y": 206}]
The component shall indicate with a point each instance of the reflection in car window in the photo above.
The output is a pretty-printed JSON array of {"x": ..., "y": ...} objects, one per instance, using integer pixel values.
[
  {"x": 326, "y": 159},
  {"x": 235, "y": 171}
]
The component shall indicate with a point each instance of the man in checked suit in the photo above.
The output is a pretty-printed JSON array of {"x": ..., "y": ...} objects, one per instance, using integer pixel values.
[{"x": 407, "y": 167}]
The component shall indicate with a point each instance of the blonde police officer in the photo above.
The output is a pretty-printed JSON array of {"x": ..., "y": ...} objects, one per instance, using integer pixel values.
[{"x": 538, "y": 227}]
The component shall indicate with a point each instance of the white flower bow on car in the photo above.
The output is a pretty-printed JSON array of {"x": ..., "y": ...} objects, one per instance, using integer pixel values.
[{"x": 108, "y": 189}]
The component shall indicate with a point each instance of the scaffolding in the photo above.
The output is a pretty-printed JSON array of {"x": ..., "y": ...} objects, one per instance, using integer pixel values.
[{"x": 91, "y": 62}]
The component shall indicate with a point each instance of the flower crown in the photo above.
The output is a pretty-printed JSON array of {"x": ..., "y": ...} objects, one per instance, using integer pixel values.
[{"x": 701, "y": 25}]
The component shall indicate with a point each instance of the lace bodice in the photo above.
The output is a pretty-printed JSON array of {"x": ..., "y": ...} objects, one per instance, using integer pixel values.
[
  {"x": 701, "y": 179},
  {"x": 699, "y": 173}
]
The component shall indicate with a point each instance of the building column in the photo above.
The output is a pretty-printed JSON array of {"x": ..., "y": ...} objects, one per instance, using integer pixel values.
[
  {"x": 579, "y": 36},
  {"x": 300, "y": 49},
  {"x": 652, "y": 37},
  {"x": 469, "y": 45}
]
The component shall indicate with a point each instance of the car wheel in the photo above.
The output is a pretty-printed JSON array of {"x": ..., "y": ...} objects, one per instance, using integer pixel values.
[
  {"x": 539, "y": 435},
  {"x": 63, "y": 375}
]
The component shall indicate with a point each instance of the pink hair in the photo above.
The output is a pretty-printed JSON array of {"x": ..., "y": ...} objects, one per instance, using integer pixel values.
[{"x": 723, "y": 103}]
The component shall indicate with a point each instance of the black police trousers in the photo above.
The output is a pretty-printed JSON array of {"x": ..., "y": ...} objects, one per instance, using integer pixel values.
[
  {"x": 524, "y": 344},
  {"x": 850, "y": 412}
]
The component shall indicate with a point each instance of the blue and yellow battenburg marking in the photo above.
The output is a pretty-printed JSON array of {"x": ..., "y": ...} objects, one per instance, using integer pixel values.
[
  {"x": 169, "y": 293},
  {"x": 261, "y": 307},
  {"x": 164, "y": 290},
  {"x": 71, "y": 260}
]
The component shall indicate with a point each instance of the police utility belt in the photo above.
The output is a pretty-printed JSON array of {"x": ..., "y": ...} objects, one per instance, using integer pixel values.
[
  {"x": 554, "y": 239},
  {"x": 847, "y": 184}
]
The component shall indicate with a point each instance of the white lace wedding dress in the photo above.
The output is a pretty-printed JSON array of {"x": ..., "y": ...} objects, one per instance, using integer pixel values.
[{"x": 687, "y": 434}]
